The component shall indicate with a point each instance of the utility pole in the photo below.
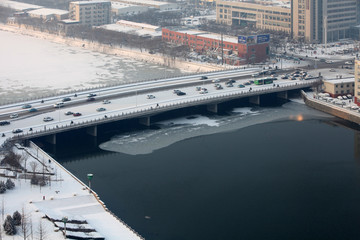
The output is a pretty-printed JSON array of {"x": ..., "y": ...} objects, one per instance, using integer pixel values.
[{"x": 222, "y": 49}]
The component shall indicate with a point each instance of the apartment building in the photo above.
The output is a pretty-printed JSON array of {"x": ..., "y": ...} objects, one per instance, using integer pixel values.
[
  {"x": 315, "y": 21},
  {"x": 91, "y": 13},
  {"x": 273, "y": 15},
  {"x": 161, "y": 6}
]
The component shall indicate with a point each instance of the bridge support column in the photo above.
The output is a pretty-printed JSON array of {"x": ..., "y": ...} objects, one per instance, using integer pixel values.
[
  {"x": 212, "y": 108},
  {"x": 92, "y": 131},
  {"x": 51, "y": 139},
  {"x": 145, "y": 121},
  {"x": 283, "y": 95},
  {"x": 255, "y": 99}
]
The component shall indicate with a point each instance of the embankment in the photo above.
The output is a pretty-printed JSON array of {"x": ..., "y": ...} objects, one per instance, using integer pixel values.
[
  {"x": 332, "y": 109},
  {"x": 116, "y": 50}
]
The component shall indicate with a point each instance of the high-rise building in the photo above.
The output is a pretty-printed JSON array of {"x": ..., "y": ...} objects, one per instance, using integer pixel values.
[
  {"x": 91, "y": 13},
  {"x": 316, "y": 21},
  {"x": 357, "y": 82}
]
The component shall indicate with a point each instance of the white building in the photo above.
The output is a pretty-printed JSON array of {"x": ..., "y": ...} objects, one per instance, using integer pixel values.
[
  {"x": 161, "y": 6},
  {"x": 140, "y": 29},
  {"x": 119, "y": 9},
  {"x": 91, "y": 13},
  {"x": 18, "y": 6},
  {"x": 49, "y": 13}
]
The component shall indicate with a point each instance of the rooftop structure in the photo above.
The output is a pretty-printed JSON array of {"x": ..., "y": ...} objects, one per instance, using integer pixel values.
[
  {"x": 120, "y": 8},
  {"x": 48, "y": 13},
  {"x": 18, "y": 6},
  {"x": 140, "y": 29}
]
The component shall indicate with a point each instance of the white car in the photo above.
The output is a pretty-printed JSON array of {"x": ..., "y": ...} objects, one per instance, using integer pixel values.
[
  {"x": 348, "y": 63},
  {"x": 329, "y": 61},
  {"x": 216, "y": 80},
  {"x": 14, "y": 115},
  {"x": 150, "y": 96},
  {"x": 106, "y": 101},
  {"x": 47, "y": 119}
]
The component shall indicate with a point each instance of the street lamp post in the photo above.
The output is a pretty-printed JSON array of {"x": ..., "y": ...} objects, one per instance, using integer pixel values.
[
  {"x": 65, "y": 219},
  {"x": 90, "y": 176}
]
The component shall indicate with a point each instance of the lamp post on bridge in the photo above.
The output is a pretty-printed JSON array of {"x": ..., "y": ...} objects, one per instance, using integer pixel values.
[
  {"x": 65, "y": 219},
  {"x": 90, "y": 176}
]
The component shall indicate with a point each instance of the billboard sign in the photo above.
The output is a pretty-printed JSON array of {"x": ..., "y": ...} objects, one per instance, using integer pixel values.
[
  {"x": 242, "y": 39},
  {"x": 251, "y": 40},
  {"x": 264, "y": 38}
]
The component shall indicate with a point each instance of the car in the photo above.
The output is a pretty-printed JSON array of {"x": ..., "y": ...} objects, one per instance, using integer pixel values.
[
  {"x": 241, "y": 86},
  {"x": 69, "y": 113},
  {"x": 66, "y": 99},
  {"x": 47, "y": 119},
  {"x": 218, "y": 87},
  {"x": 76, "y": 114},
  {"x": 101, "y": 109},
  {"x": 17, "y": 130},
  {"x": 332, "y": 70},
  {"x": 231, "y": 81},
  {"x": 255, "y": 75},
  {"x": 349, "y": 96},
  {"x": 32, "y": 110},
  {"x": 26, "y": 106},
  {"x": 247, "y": 83},
  {"x": 181, "y": 93},
  {"x": 203, "y": 91},
  {"x": 91, "y": 95},
  {"x": 90, "y": 99},
  {"x": 322, "y": 60},
  {"x": 284, "y": 77},
  {"x": 150, "y": 96},
  {"x": 348, "y": 67},
  {"x": 198, "y": 88},
  {"x": 229, "y": 84},
  {"x": 176, "y": 91},
  {"x": 216, "y": 80},
  {"x": 106, "y": 101},
  {"x": 251, "y": 81},
  {"x": 58, "y": 105},
  {"x": 348, "y": 63},
  {"x": 329, "y": 61},
  {"x": 14, "y": 115},
  {"x": 3, "y": 123},
  {"x": 203, "y": 77}
]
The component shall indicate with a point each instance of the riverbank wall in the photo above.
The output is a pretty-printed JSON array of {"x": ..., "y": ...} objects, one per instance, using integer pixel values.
[
  {"x": 187, "y": 66},
  {"x": 337, "y": 111}
]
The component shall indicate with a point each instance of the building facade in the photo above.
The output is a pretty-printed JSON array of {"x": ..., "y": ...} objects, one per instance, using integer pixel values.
[
  {"x": 316, "y": 21},
  {"x": 248, "y": 49},
  {"x": 91, "y": 13},
  {"x": 339, "y": 87},
  {"x": 357, "y": 82}
]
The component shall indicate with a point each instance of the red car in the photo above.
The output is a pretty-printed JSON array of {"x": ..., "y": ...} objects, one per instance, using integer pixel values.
[{"x": 76, "y": 114}]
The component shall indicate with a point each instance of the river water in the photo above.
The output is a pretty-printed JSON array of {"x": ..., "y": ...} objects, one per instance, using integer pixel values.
[{"x": 277, "y": 172}]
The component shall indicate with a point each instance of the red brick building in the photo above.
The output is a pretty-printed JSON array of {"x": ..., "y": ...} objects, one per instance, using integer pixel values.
[{"x": 248, "y": 49}]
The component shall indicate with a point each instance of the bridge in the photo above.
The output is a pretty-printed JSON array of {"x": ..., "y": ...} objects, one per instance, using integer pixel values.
[{"x": 129, "y": 101}]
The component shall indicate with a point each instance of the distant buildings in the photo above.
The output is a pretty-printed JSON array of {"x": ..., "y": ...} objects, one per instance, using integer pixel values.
[
  {"x": 90, "y": 13},
  {"x": 49, "y": 14},
  {"x": 236, "y": 50},
  {"x": 315, "y": 21},
  {"x": 161, "y": 6},
  {"x": 119, "y": 9},
  {"x": 140, "y": 29}
]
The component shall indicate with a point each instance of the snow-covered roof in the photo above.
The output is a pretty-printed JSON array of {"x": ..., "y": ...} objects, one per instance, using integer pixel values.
[
  {"x": 132, "y": 30},
  {"x": 119, "y": 5},
  {"x": 146, "y": 2},
  {"x": 19, "y": 6},
  {"x": 138, "y": 25},
  {"x": 48, "y": 11},
  {"x": 340, "y": 80},
  {"x": 89, "y": 2},
  {"x": 272, "y": 3}
]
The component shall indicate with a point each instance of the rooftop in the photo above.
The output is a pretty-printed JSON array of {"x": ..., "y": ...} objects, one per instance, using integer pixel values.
[
  {"x": 90, "y": 2},
  {"x": 216, "y": 36},
  {"x": 48, "y": 11},
  {"x": 19, "y": 6},
  {"x": 272, "y": 3},
  {"x": 145, "y": 2}
]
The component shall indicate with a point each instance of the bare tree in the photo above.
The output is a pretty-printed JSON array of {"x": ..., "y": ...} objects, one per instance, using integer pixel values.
[
  {"x": 41, "y": 231},
  {"x": 33, "y": 166},
  {"x": 25, "y": 224}
]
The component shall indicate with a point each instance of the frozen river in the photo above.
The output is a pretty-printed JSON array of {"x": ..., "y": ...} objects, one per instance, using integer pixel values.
[{"x": 32, "y": 67}]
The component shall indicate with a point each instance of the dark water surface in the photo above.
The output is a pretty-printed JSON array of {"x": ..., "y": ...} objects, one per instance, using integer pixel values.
[{"x": 277, "y": 180}]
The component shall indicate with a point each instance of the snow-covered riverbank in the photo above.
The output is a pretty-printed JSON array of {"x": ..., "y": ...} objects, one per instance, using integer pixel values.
[{"x": 63, "y": 196}]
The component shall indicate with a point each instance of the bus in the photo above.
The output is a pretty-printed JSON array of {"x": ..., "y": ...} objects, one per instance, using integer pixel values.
[{"x": 263, "y": 81}]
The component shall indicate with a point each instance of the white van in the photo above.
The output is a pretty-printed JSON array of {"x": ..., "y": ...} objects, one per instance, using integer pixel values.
[{"x": 58, "y": 105}]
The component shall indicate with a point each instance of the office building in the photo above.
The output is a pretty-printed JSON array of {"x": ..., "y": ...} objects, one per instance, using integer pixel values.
[{"x": 91, "y": 13}]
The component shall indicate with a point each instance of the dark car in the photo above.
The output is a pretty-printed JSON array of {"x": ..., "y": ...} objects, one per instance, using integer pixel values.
[
  {"x": 26, "y": 106},
  {"x": 17, "y": 130},
  {"x": 69, "y": 113},
  {"x": 204, "y": 77},
  {"x": 3, "y": 123},
  {"x": 32, "y": 110},
  {"x": 90, "y": 99},
  {"x": 76, "y": 114},
  {"x": 66, "y": 99},
  {"x": 180, "y": 93},
  {"x": 91, "y": 95}
]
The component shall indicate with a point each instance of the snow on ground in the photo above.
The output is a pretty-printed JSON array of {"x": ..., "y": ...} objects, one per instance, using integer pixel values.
[{"x": 65, "y": 196}]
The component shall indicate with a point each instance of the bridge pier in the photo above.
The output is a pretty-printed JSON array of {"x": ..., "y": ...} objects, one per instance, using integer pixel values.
[
  {"x": 283, "y": 95},
  {"x": 92, "y": 131},
  {"x": 212, "y": 107},
  {"x": 51, "y": 139},
  {"x": 255, "y": 100},
  {"x": 145, "y": 121}
]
